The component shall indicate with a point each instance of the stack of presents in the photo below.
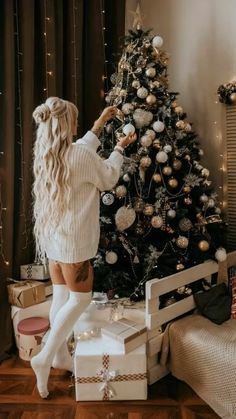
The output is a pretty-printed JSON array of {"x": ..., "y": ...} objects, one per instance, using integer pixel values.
[{"x": 109, "y": 338}]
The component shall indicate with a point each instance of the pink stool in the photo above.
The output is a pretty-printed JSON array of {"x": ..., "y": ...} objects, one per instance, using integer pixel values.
[{"x": 30, "y": 334}]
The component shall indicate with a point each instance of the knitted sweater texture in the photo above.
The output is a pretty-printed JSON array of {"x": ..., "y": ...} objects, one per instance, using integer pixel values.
[{"x": 76, "y": 238}]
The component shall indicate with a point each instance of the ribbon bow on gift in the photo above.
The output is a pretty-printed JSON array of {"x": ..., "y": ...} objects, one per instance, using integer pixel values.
[{"x": 107, "y": 376}]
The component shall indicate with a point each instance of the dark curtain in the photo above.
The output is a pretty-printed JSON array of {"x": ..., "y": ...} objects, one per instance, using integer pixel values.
[{"x": 48, "y": 48}]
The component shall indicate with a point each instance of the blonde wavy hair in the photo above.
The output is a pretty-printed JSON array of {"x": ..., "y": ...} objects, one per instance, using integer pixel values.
[{"x": 56, "y": 119}]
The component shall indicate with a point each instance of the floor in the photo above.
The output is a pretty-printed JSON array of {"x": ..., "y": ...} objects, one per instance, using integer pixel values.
[{"x": 167, "y": 399}]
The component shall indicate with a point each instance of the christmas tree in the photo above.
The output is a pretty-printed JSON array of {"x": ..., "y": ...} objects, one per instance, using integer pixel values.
[{"x": 162, "y": 216}]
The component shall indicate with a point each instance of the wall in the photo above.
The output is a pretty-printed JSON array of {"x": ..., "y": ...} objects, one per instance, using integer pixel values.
[{"x": 200, "y": 37}]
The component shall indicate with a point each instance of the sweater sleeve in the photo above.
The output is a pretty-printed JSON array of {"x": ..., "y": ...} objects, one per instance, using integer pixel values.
[
  {"x": 90, "y": 140},
  {"x": 104, "y": 174}
]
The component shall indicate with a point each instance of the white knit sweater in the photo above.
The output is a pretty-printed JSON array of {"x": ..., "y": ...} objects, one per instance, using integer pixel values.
[{"x": 76, "y": 238}]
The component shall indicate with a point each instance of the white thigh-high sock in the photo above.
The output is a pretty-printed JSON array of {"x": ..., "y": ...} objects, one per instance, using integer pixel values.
[
  {"x": 62, "y": 326},
  {"x": 62, "y": 358}
]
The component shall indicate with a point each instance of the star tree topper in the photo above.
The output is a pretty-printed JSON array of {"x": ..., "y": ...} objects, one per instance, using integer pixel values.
[{"x": 138, "y": 18}]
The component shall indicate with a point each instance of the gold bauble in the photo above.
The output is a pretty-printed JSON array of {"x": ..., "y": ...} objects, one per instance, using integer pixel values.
[
  {"x": 233, "y": 97},
  {"x": 156, "y": 143},
  {"x": 148, "y": 210},
  {"x": 182, "y": 242},
  {"x": 156, "y": 177},
  {"x": 203, "y": 245},
  {"x": 121, "y": 191},
  {"x": 179, "y": 267},
  {"x": 188, "y": 200},
  {"x": 145, "y": 162},
  {"x": 178, "y": 109},
  {"x": 157, "y": 221},
  {"x": 177, "y": 164},
  {"x": 186, "y": 189},
  {"x": 151, "y": 99},
  {"x": 167, "y": 170},
  {"x": 173, "y": 183},
  {"x": 180, "y": 124}
]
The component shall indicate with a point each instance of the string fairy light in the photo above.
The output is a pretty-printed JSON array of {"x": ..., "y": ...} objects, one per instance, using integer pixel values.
[
  {"x": 19, "y": 55},
  {"x": 103, "y": 26},
  {"x": 222, "y": 169},
  {"x": 75, "y": 61},
  {"x": 2, "y": 209},
  {"x": 48, "y": 54}
]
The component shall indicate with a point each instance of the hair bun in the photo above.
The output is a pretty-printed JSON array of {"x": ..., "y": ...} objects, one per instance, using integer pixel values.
[{"x": 41, "y": 113}]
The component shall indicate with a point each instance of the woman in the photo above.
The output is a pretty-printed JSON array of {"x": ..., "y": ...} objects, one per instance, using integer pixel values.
[{"x": 68, "y": 179}]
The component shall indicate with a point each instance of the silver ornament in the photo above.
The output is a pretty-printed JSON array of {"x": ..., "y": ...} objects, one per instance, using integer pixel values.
[
  {"x": 121, "y": 191},
  {"x": 171, "y": 213},
  {"x": 150, "y": 72},
  {"x": 151, "y": 133},
  {"x": 108, "y": 198},
  {"x": 128, "y": 129},
  {"x": 127, "y": 108},
  {"x": 142, "y": 118},
  {"x": 185, "y": 224},
  {"x": 157, "y": 221},
  {"x": 203, "y": 198},
  {"x": 167, "y": 148},
  {"x": 157, "y": 42},
  {"x": 142, "y": 92},
  {"x": 158, "y": 126},
  {"x": 220, "y": 254},
  {"x": 126, "y": 177},
  {"x": 136, "y": 84},
  {"x": 146, "y": 141}
]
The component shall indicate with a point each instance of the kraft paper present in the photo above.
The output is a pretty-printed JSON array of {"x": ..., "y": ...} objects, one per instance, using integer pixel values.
[
  {"x": 129, "y": 333},
  {"x": 26, "y": 293},
  {"x": 103, "y": 372},
  {"x": 34, "y": 271}
]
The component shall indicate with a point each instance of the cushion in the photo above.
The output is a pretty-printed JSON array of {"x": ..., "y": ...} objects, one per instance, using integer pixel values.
[{"x": 215, "y": 303}]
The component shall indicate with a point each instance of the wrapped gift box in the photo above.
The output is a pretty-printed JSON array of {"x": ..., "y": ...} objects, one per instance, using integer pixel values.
[
  {"x": 26, "y": 293},
  {"x": 34, "y": 271},
  {"x": 48, "y": 287},
  {"x": 129, "y": 333},
  {"x": 103, "y": 372}
]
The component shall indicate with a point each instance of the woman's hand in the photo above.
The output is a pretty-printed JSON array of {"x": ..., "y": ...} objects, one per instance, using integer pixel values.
[
  {"x": 127, "y": 140},
  {"x": 107, "y": 113}
]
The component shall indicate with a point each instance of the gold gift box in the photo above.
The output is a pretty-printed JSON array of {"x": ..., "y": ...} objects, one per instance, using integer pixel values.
[{"x": 26, "y": 293}]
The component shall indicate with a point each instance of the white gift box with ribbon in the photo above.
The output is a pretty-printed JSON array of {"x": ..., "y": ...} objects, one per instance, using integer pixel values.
[{"x": 104, "y": 372}]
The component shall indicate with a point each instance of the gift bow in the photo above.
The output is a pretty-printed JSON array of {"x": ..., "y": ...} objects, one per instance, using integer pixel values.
[{"x": 113, "y": 376}]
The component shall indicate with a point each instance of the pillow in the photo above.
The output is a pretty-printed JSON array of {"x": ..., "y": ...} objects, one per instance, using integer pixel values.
[{"x": 215, "y": 304}]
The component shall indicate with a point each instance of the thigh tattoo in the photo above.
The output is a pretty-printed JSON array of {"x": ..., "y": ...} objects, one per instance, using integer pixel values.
[{"x": 82, "y": 271}]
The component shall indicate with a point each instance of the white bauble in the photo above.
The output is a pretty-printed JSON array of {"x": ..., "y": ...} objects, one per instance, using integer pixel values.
[
  {"x": 161, "y": 157},
  {"x": 150, "y": 133},
  {"x": 167, "y": 148},
  {"x": 127, "y": 108},
  {"x": 217, "y": 210},
  {"x": 151, "y": 99},
  {"x": 205, "y": 172},
  {"x": 200, "y": 152},
  {"x": 142, "y": 118},
  {"x": 128, "y": 129},
  {"x": 157, "y": 41},
  {"x": 158, "y": 126},
  {"x": 146, "y": 141},
  {"x": 142, "y": 92},
  {"x": 126, "y": 177},
  {"x": 111, "y": 257},
  {"x": 171, "y": 213},
  {"x": 211, "y": 203},
  {"x": 121, "y": 191},
  {"x": 145, "y": 162},
  {"x": 150, "y": 72},
  {"x": 204, "y": 198},
  {"x": 221, "y": 254}
]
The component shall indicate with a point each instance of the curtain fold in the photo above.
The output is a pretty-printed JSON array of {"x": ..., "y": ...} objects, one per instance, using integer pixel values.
[{"x": 48, "y": 48}]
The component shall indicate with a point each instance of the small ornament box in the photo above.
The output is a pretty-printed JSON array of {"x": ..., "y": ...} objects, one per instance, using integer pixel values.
[
  {"x": 34, "y": 271},
  {"x": 104, "y": 372},
  {"x": 29, "y": 336},
  {"x": 129, "y": 334},
  {"x": 25, "y": 293}
]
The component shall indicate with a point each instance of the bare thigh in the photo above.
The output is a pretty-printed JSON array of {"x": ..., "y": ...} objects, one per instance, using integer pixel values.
[{"x": 77, "y": 276}]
